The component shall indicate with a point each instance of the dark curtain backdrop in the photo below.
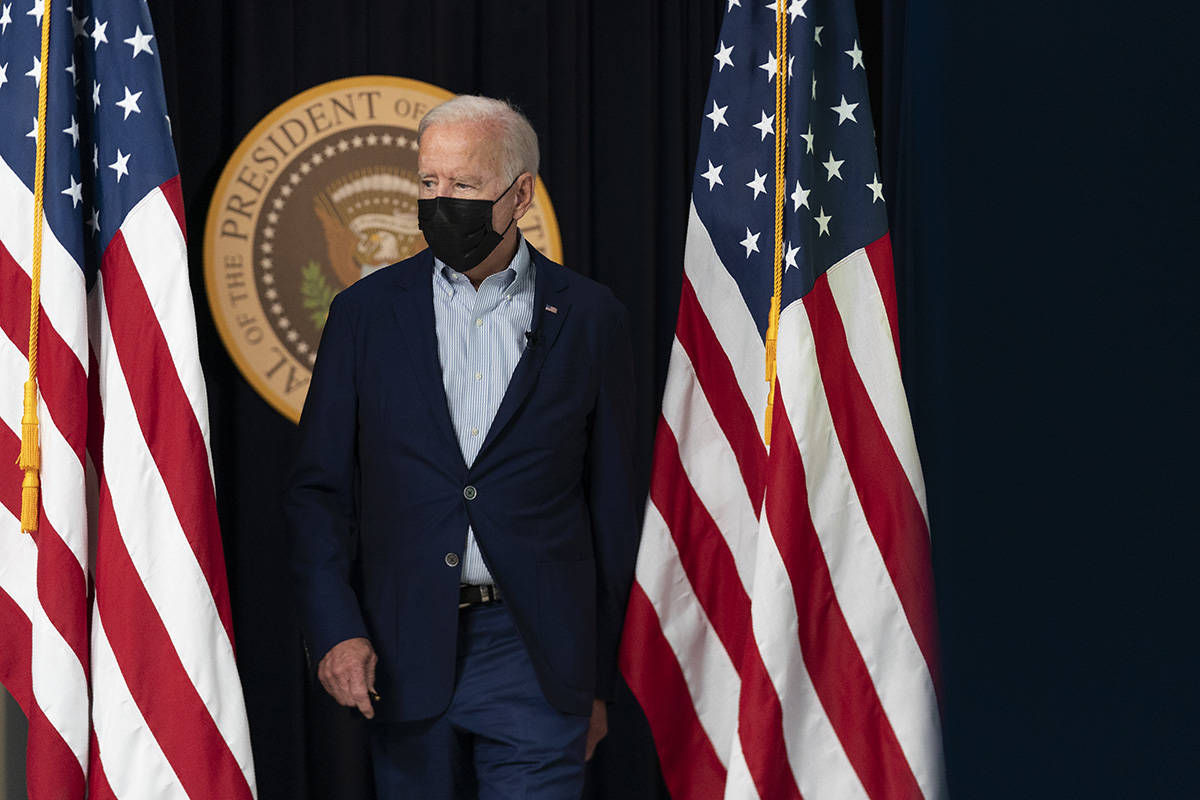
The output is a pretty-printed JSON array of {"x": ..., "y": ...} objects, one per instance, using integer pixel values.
[{"x": 1042, "y": 178}]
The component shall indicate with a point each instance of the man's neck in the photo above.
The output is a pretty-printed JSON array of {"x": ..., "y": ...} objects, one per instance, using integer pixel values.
[{"x": 496, "y": 261}]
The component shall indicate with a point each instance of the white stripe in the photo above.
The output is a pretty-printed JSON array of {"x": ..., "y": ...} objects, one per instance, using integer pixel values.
[
  {"x": 159, "y": 254},
  {"x": 869, "y": 334},
  {"x": 712, "y": 680},
  {"x": 709, "y": 462},
  {"x": 861, "y": 582},
  {"x": 62, "y": 289},
  {"x": 133, "y": 762},
  {"x": 739, "y": 783},
  {"x": 18, "y": 565},
  {"x": 163, "y": 558},
  {"x": 819, "y": 764},
  {"x": 722, "y": 302}
]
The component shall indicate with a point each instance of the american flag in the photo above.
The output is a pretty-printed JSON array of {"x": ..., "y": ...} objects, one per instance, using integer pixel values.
[
  {"x": 114, "y": 617},
  {"x": 780, "y": 634}
]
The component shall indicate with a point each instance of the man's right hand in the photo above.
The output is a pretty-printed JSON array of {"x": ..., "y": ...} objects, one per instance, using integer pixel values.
[{"x": 348, "y": 673}]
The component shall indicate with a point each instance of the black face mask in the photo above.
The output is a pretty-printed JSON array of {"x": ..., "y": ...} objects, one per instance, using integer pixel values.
[{"x": 459, "y": 231}]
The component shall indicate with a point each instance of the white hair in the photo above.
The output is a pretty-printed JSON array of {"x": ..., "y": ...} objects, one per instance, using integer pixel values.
[{"x": 517, "y": 140}]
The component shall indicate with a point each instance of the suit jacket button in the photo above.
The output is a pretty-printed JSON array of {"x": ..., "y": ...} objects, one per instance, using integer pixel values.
[
  {"x": 470, "y": 493},
  {"x": 451, "y": 559}
]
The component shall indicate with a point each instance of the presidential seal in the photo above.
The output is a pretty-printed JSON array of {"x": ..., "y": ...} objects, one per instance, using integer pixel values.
[{"x": 322, "y": 192}]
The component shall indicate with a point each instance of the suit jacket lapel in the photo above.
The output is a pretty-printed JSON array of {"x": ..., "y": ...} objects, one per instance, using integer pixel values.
[
  {"x": 418, "y": 336},
  {"x": 550, "y": 290}
]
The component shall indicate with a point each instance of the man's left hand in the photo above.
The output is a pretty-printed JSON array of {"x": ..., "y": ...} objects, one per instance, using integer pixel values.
[{"x": 597, "y": 727}]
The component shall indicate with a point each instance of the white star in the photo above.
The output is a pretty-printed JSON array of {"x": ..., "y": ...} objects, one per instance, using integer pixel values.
[
  {"x": 95, "y": 95},
  {"x": 94, "y": 222},
  {"x": 3, "y": 73},
  {"x": 789, "y": 258},
  {"x": 5, "y": 17},
  {"x": 765, "y": 125},
  {"x": 372, "y": 139},
  {"x": 71, "y": 70},
  {"x": 357, "y": 140},
  {"x": 808, "y": 138},
  {"x": 750, "y": 242},
  {"x": 129, "y": 102},
  {"x": 845, "y": 111},
  {"x": 723, "y": 57},
  {"x": 96, "y": 159},
  {"x": 834, "y": 166},
  {"x": 98, "y": 34},
  {"x": 713, "y": 176},
  {"x": 796, "y": 9},
  {"x": 876, "y": 189},
  {"x": 121, "y": 165},
  {"x": 33, "y": 133},
  {"x": 77, "y": 23},
  {"x": 800, "y": 197},
  {"x": 758, "y": 184},
  {"x": 140, "y": 42},
  {"x": 717, "y": 115},
  {"x": 814, "y": 92},
  {"x": 73, "y": 129},
  {"x": 732, "y": 3},
  {"x": 770, "y": 67},
  {"x": 855, "y": 57},
  {"x": 35, "y": 72},
  {"x": 75, "y": 192},
  {"x": 39, "y": 8},
  {"x": 817, "y": 34},
  {"x": 823, "y": 220}
]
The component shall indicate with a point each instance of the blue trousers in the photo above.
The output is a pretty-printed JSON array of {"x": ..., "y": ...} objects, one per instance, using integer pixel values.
[{"x": 498, "y": 740}]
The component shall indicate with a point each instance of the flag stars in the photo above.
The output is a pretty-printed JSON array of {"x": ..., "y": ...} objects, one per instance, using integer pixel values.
[
  {"x": 796, "y": 9},
  {"x": 765, "y": 126},
  {"x": 808, "y": 138},
  {"x": 800, "y": 197},
  {"x": 121, "y": 165},
  {"x": 770, "y": 67},
  {"x": 822, "y": 221},
  {"x": 130, "y": 102},
  {"x": 33, "y": 132},
  {"x": 96, "y": 159},
  {"x": 789, "y": 258},
  {"x": 833, "y": 167},
  {"x": 723, "y": 57},
  {"x": 814, "y": 89},
  {"x": 3, "y": 73},
  {"x": 39, "y": 8},
  {"x": 732, "y": 3},
  {"x": 855, "y": 57},
  {"x": 95, "y": 95},
  {"x": 876, "y": 188},
  {"x": 78, "y": 23},
  {"x": 758, "y": 184},
  {"x": 74, "y": 191},
  {"x": 5, "y": 17},
  {"x": 71, "y": 71},
  {"x": 717, "y": 115},
  {"x": 817, "y": 35},
  {"x": 750, "y": 242},
  {"x": 35, "y": 72},
  {"x": 713, "y": 176},
  {"x": 98, "y": 33},
  {"x": 845, "y": 111},
  {"x": 140, "y": 42},
  {"x": 73, "y": 129},
  {"x": 94, "y": 222}
]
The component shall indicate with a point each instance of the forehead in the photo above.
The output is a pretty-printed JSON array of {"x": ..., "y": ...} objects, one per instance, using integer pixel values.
[{"x": 453, "y": 147}]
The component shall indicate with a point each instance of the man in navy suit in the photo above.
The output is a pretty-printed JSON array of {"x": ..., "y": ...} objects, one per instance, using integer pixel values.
[{"x": 461, "y": 510}]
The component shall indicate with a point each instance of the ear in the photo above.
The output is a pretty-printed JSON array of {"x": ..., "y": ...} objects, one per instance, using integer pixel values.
[{"x": 524, "y": 194}]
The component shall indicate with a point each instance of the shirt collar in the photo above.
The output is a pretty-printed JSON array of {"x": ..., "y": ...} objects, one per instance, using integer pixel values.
[{"x": 519, "y": 267}]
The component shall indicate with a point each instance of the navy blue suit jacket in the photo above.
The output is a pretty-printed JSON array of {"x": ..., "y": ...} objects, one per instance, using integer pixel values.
[{"x": 380, "y": 494}]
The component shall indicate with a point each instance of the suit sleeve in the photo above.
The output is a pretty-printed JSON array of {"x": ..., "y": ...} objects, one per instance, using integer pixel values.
[
  {"x": 320, "y": 502},
  {"x": 609, "y": 484}
]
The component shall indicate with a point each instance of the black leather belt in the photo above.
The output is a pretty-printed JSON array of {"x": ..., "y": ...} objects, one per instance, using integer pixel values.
[{"x": 470, "y": 594}]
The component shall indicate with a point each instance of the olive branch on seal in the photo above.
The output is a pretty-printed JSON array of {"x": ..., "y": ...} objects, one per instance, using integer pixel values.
[{"x": 317, "y": 294}]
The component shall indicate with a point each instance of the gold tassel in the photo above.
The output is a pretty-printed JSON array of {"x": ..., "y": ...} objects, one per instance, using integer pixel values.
[{"x": 30, "y": 460}]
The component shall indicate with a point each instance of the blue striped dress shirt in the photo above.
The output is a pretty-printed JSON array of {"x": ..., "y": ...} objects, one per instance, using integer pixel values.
[{"x": 481, "y": 335}]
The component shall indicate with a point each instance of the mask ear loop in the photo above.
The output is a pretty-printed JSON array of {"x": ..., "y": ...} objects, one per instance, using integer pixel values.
[{"x": 497, "y": 200}]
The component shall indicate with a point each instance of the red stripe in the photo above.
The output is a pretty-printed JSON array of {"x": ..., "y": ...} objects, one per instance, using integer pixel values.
[
  {"x": 830, "y": 653},
  {"x": 719, "y": 382},
  {"x": 690, "y": 765},
  {"x": 154, "y": 673},
  {"x": 60, "y": 375},
  {"x": 171, "y": 190},
  {"x": 879, "y": 253},
  {"x": 61, "y": 583},
  {"x": 17, "y": 633},
  {"x": 713, "y": 576},
  {"x": 887, "y": 498},
  {"x": 51, "y": 770},
  {"x": 166, "y": 417}
]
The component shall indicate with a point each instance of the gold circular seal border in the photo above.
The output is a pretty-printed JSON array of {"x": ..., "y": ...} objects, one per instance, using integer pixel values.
[{"x": 213, "y": 280}]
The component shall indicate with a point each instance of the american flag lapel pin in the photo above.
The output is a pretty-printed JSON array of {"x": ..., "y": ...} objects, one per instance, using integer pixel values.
[{"x": 552, "y": 309}]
